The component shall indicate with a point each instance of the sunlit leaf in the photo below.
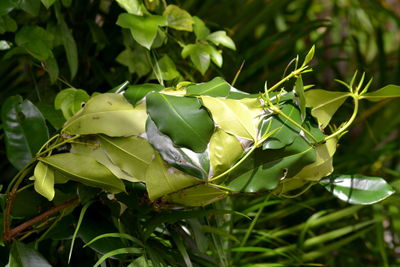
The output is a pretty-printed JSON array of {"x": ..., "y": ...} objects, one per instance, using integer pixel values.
[
  {"x": 44, "y": 181},
  {"x": 131, "y": 6},
  {"x": 195, "y": 196},
  {"x": 299, "y": 88},
  {"x": 225, "y": 150},
  {"x": 324, "y": 104},
  {"x": 215, "y": 87},
  {"x": 199, "y": 55},
  {"x": 162, "y": 179},
  {"x": 86, "y": 170},
  {"x": 181, "y": 118},
  {"x": 358, "y": 189},
  {"x": 24, "y": 128},
  {"x": 200, "y": 29},
  {"x": 135, "y": 93},
  {"x": 220, "y": 38},
  {"x": 110, "y": 114},
  {"x": 237, "y": 117},
  {"x": 178, "y": 19},
  {"x": 132, "y": 154},
  {"x": 70, "y": 101},
  {"x": 388, "y": 91},
  {"x": 309, "y": 56}
]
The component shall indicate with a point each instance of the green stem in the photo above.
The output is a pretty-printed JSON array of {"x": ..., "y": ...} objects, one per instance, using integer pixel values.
[
  {"x": 48, "y": 142},
  {"x": 349, "y": 122},
  {"x": 291, "y": 75},
  {"x": 57, "y": 145}
]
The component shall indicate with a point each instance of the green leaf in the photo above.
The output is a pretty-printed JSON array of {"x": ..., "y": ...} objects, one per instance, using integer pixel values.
[
  {"x": 70, "y": 101},
  {"x": 195, "y": 164},
  {"x": 110, "y": 114},
  {"x": 131, "y": 6},
  {"x": 7, "y": 6},
  {"x": 388, "y": 91},
  {"x": 36, "y": 41},
  {"x": 200, "y": 29},
  {"x": 195, "y": 196},
  {"x": 30, "y": 6},
  {"x": 324, "y": 104},
  {"x": 181, "y": 118},
  {"x": 51, "y": 67},
  {"x": 143, "y": 29},
  {"x": 322, "y": 167},
  {"x": 178, "y": 19},
  {"x": 69, "y": 44},
  {"x": 135, "y": 93},
  {"x": 44, "y": 181},
  {"x": 225, "y": 150},
  {"x": 132, "y": 154},
  {"x": 215, "y": 87},
  {"x": 265, "y": 169},
  {"x": 299, "y": 88},
  {"x": 93, "y": 148},
  {"x": 24, "y": 128},
  {"x": 220, "y": 38},
  {"x": 162, "y": 179},
  {"x": 55, "y": 117},
  {"x": 286, "y": 131},
  {"x": 85, "y": 170},
  {"x": 7, "y": 24},
  {"x": 309, "y": 56},
  {"x": 199, "y": 55},
  {"x": 166, "y": 69},
  {"x": 136, "y": 60},
  {"x": 24, "y": 256},
  {"x": 237, "y": 117},
  {"x": 358, "y": 189},
  {"x": 48, "y": 3}
]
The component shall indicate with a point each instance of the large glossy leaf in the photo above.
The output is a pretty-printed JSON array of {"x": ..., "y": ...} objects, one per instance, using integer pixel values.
[
  {"x": 132, "y": 154},
  {"x": 195, "y": 164},
  {"x": 143, "y": 28},
  {"x": 324, "y": 104},
  {"x": 70, "y": 101},
  {"x": 237, "y": 117},
  {"x": 178, "y": 19},
  {"x": 24, "y": 256},
  {"x": 110, "y": 114},
  {"x": 162, "y": 179},
  {"x": 215, "y": 87},
  {"x": 135, "y": 93},
  {"x": 388, "y": 91},
  {"x": 322, "y": 167},
  {"x": 358, "y": 189},
  {"x": 181, "y": 118},
  {"x": 24, "y": 128},
  {"x": 93, "y": 149},
  {"x": 44, "y": 180},
  {"x": 225, "y": 150},
  {"x": 286, "y": 131},
  {"x": 195, "y": 196},
  {"x": 265, "y": 169},
  {"x": 86, "y": 170}
]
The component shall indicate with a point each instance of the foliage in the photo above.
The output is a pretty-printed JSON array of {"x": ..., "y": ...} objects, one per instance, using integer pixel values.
[{"x": 134, "y": 154}]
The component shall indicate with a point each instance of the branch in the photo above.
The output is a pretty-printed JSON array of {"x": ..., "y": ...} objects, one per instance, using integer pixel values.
[{"x": 17, "y": 230}]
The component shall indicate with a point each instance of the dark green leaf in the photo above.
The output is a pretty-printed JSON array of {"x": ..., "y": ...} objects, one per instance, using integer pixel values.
[
  {"x": 30, "y": 6},
  {"x": 215, "y": 87},
  {"x": 70, "y": 101},
  {"x": 24, "y": 256},
  {"x": 299, "y": 88},
  {"x": 7, "y": 24},
  {"x": 36, "y": 41},
  {"x": 25, "y": 130},
  {"x": 69, "y": 46},
  {"x": 388, "y": 91},
  {"x": 135, "y": 93},
  {"x": 143, "y": 28},
  {"x": 178, "y": 19},
  {"x": 136, "y": 60},
  {"x": 195, "y": 164},
  {"x": 29, "y": 203},
  {"x": 48, "y": 3},
  {"x": 52, "y": 68},
  {"x": 181, "y": 118},
  {"x": 264, "y": 170},
  {"x": 6, "y": 6},
  {"x": 55, "y": 117},
  {"x": 358, "y": 189},
  {"x": 86, "y": 170}
]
